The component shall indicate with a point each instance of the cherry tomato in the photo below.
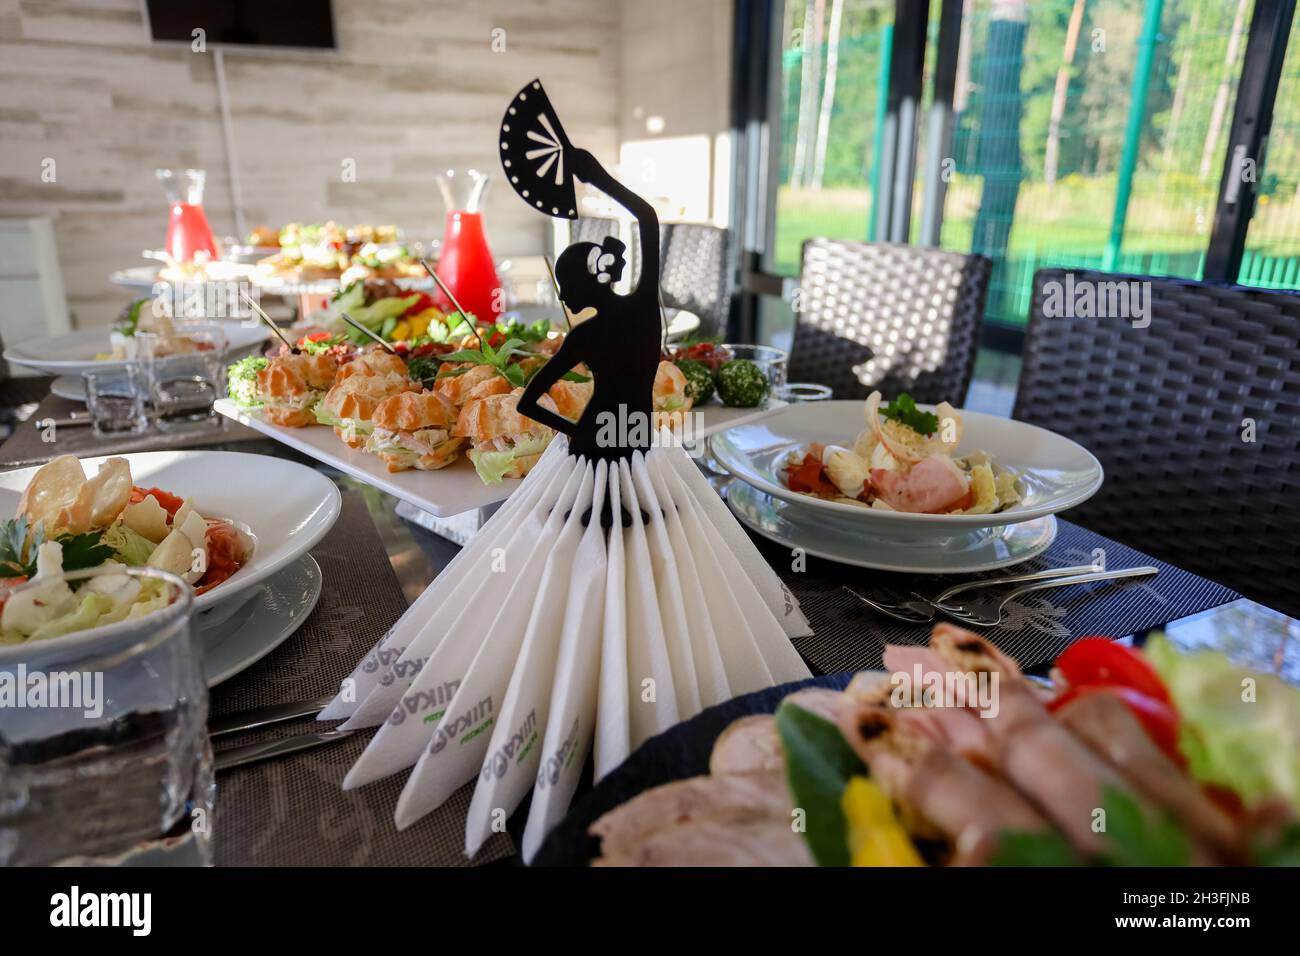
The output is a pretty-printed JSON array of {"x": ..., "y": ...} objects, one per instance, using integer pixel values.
[{"x": 1099, "y": 660}]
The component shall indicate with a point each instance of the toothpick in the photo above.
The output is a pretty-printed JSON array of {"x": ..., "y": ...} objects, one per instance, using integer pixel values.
[
  {"x": 267, "y": 319},
  {"x": 447, "y": 292},
  {"x": 556, "y": 283},
  {"x": 357, "y": 325}
]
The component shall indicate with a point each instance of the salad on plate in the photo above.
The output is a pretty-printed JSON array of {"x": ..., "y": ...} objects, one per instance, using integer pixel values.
[
  {"x": 904, "y": 460},
  {"x": 68, "y": 521}
]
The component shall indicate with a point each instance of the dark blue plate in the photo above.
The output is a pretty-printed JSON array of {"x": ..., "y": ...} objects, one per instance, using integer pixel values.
[{"x": 679, "y": 752}]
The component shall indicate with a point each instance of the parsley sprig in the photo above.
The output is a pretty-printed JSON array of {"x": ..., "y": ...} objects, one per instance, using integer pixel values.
[
  {"x": 20, "y": 541},
  {"x": 904, "y": 411},
  {"x": 500, "y": 359}
]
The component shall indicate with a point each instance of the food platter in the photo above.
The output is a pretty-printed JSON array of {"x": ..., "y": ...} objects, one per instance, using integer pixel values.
[{"x": 449, "y": 491}]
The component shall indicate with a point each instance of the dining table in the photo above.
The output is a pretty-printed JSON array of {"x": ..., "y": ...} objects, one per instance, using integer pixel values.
[{"x": 291, "y": 809}]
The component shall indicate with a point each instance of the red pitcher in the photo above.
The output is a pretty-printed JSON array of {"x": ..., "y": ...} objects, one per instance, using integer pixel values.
[
  {"x": 465, "y": 263},
  {"x": 188, "y": 234}
]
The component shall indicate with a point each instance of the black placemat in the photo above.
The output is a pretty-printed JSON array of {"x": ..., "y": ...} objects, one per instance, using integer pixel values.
[
  {"x": 850, "y": 636},
  {"x": 291, "y": 810},
  {"x": 28, "y": 445}
]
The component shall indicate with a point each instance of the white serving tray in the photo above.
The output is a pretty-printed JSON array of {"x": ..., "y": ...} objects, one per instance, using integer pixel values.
[{"x": 451, "y": 491}]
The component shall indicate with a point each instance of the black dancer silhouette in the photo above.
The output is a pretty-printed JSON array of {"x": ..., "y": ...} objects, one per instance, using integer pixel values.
[{"x": 619, "y": 345}]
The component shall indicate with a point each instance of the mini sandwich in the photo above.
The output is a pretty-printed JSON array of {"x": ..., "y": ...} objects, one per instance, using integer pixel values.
[
  {"x": 671, "y": 400},
  {"x": 413, "y": 430},
  {"x": 376, "y": 361},
  {"x": 349, "y": 406},
  {"x": 506, "y": 444},
  {"x": 465, "y": 383},
  {"x": 291, "y": 385}
]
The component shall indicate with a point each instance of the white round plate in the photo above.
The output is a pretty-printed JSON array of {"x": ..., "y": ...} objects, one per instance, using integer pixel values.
[
  {"x": 74, "y": 352},
  {"x": 71, "y": 387},
  {"x": 1055, "y": 472},
  {"x": 982, "y": 549},
  {"x": 278, "y": 608},
  {"x": 287, "y": 507}
]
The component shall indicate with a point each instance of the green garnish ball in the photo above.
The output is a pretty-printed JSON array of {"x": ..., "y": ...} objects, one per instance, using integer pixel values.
[
  {"x": 742, "y": 384},
  {"x": 699, "y": 380}
]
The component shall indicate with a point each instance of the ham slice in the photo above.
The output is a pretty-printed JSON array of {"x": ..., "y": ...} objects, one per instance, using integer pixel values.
[
  {"x": 1107, "y": 726},
  {"x": 931, "y": 486},
  {"x": 725, "y": 801}
]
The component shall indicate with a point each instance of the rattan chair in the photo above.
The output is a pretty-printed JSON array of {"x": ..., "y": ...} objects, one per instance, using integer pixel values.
[
  {"x": 888, "y": 316},
  {"x": 695, "y": 274},
  {"x": 1169, "y": 409}
]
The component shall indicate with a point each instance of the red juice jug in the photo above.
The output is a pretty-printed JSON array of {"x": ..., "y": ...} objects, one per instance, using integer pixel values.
[
  {"x": 188, "y": 232},
  {"x": 465, "y": 263}
]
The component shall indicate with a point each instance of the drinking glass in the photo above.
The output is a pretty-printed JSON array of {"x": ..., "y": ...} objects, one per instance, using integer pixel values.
[
  {"x": 182, "y": 385},
  {"x": 803, "y": 392},
  {"x": 116, "y": 401},
  {"x": 104, "y": 753}
]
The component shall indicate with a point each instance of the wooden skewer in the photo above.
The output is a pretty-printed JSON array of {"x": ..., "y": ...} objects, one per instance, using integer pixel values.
[
  {"x": 357, "y": 325},
  {"x": 267, "y": 319},
  {"x": 447, "y": 292},
  {"x": 556, "y": 283}
]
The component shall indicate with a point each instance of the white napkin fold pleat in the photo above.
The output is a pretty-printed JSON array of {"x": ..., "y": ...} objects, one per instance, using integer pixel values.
[
  {"x": 771, "y": 588},
  {"x": 613, "y": 727},
  {"x": 711, "y": 685},
  {"x": 651, "y": 693},
  {"x": 571, "y": 723},
  {"x": 459, "y": 744},
  {"x": 667, "y": 590},
  {"x": 547, "y": 639},
  {"x": 378, "y": 667}
]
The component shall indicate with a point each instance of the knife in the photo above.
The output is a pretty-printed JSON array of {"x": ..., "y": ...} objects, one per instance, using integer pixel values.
[
  {"x": 262, "y": 716},
  {"x": 253, "y": 753}
]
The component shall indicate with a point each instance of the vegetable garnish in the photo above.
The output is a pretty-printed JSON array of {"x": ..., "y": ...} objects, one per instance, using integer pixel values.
[
  {"x": 19, "y": 542},
  {"x": 904, "y": 411},
  {"x": 1100, "y": 661},
  {"x": 499, "y": 358},
  {"x": 819, "y": 766}
]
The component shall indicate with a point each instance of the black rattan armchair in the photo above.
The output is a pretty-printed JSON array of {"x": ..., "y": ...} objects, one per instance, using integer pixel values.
[
  {"x": 1170, "y": 410},
  {"x": 696, "y": 273},
  {"x": 889, "y": 316}
]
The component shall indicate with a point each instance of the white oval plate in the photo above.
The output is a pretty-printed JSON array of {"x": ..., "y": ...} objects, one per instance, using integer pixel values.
[
  {"x": 983, "y": 549},
  {"x": 278, "y": 608},
  {"x": 288, "y": 507},
  {"x": 74, "y": 352},
  {"x": 1055, "y": 472}
]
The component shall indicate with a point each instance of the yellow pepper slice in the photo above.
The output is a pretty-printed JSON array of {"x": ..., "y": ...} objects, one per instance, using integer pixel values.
[
  {"x": 401, "y": 331},
  {"x": 876, "y": 838}
]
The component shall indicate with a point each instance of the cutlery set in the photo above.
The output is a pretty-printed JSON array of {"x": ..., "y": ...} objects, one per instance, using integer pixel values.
[{"x": 918, "y": 609}]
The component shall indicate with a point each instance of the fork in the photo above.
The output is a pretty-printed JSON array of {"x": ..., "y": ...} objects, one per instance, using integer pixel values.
[
  {"x": 922, "y": 609},
  {"x": 986, "y": 617}
]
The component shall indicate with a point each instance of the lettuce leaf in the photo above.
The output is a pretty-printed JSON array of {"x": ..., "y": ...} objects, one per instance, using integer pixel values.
[
  {"x": 1240, "y": 728},
  {"x": 493, "y": 465},
  {"x": 129, "y": 547},
  {"x": 92, "y": 608}
]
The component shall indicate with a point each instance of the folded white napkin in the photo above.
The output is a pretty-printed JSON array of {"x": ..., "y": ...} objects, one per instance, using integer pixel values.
[
  {"x": 377, "y": 667},
  {"x": 550, "y": 637}
]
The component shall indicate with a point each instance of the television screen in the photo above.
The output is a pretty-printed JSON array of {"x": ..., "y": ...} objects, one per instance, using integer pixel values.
[{"x": 284, "y": 23}]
